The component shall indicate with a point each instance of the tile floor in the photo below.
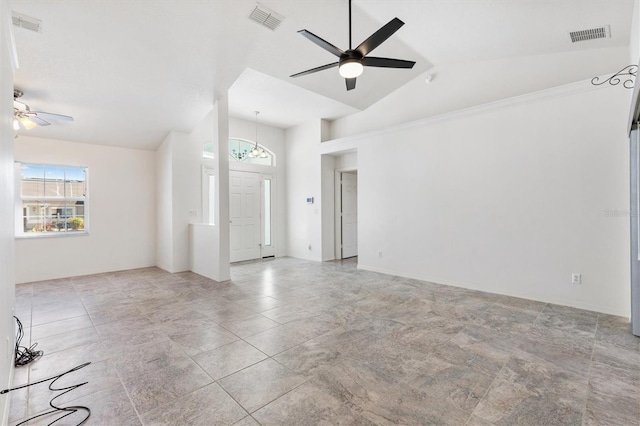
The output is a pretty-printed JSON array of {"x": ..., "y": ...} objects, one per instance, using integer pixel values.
[{"x": 291, "y": 342}]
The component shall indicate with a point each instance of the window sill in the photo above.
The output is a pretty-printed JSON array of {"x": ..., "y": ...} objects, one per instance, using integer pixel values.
[{"x": 38, "y": 235}]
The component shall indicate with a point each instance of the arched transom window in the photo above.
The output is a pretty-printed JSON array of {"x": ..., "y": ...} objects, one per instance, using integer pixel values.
[{"x": 239, "y": 150}]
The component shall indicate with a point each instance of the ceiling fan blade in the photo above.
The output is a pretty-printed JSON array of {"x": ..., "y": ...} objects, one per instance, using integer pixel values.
[
  {"x": 351, "y": 83},
  {"x": 39, "y": 121},
  {"x": 377, "y": 38},
  {"x": 316, "y": 69},
  {"x": 370, "y": 61},
  {"x": 52, "y": 116},
  {"x": 322, "y": 43}
]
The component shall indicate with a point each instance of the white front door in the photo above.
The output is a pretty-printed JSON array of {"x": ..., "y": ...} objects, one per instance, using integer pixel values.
[
  {"x": 244, "y": 215},
  {"x": 349, "y": 201}
]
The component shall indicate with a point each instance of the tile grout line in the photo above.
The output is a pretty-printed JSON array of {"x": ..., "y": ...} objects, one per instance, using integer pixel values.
[
  {"x": 503, "y": 367},
  {"x": 593, "y": 349}
]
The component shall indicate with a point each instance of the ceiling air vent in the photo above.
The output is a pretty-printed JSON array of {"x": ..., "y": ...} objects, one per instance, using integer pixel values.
[
  {"x": 26, "y": 22},
  {"x": 266, "y": 17},
  {"x": 593, "y": 33}
]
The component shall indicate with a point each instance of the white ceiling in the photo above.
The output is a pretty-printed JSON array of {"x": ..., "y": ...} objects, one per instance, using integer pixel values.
[{"x": 131, "y": 71}]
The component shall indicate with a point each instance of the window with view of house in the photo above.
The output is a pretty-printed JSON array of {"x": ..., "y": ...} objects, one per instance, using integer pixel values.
[{"x": 53, "y": 199}]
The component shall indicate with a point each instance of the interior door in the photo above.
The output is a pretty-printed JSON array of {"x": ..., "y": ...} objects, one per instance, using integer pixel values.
[
  {"x": 244, "y": 215},
  {"x": 349, "y": 202}
]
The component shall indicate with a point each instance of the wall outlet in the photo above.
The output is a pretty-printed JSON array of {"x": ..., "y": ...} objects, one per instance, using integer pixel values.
[
  {"x": 309, "y": 246},
  {"x": 193, "y": 213},
  {"x": 379, "y": 253},
  {"x": 576, "y": 278}
]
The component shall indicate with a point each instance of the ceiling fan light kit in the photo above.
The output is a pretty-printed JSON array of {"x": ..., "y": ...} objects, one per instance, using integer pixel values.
[
  {"x": 351, "y": 62},
  {"x": 351, "y": 68},
  {"x": 23, "y": 116}
]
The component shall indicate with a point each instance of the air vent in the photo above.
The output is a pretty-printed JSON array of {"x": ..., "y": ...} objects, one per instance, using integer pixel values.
[
  {"x": 26, "y": 22},
  {"x": 594, "y": 33},
  {"x": 266, "y": 17}
]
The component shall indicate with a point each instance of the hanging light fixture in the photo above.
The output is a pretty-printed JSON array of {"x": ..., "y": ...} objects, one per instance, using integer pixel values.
[{"x": 256, "y": 151}]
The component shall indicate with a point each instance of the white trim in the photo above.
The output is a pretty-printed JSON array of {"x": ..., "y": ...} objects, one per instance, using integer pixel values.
[
  {"x": 349, "y": 142},
  {"x": 38, "y": 235}
]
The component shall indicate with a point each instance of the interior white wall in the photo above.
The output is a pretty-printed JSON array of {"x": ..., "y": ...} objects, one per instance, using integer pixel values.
[
  {"x": 7, "y": 280},
  {"x": 186, "y": 165},
  {"x": 164, "y": 198},
  {"x": 328, "y": 206},
  {"x": 180, "y": 157},
  {"x": 303, "y": 171},
  {"x": 273, "y": 139},
  {"x": 509, "y": 198},
  {"x": 634, "y": 42},
  {"x": 347, "y": 161},
  {"x": 122, "y": 209},
  {"x": 458, "y": 86}
]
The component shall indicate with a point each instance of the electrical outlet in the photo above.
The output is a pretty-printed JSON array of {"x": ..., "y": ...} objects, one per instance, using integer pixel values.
[
  {"x": 309, "y": 246},
  {"x": 576, "y": 278},
  {"x": 193, "y": 213},
  {"x": 379, "y": 253}
]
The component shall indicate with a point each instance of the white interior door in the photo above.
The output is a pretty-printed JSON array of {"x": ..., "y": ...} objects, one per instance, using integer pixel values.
[
  {"x": 244, "y": 215},
  {"x": 349, "y": 203}
]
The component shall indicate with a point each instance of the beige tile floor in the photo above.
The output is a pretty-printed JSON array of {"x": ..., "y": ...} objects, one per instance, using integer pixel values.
[{"x": 291, "y": 342}]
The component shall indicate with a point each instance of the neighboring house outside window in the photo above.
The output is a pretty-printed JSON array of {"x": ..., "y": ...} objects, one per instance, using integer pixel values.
[{"x": 53, "y": 200}]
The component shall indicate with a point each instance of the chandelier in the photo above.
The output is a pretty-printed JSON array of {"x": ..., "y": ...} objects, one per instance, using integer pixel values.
[{"x": 256, "y": 151}]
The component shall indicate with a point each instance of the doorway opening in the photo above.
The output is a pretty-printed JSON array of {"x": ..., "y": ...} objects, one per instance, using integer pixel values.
[{"x": 346, "y": 214}]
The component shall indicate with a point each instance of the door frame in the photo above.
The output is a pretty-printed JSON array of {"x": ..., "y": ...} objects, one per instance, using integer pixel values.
[
  {"x": 338, "y": 209},
  {"x": 263, "y": 172}
]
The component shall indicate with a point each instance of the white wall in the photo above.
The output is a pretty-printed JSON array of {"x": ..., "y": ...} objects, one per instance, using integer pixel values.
[
  {"x": 164, "y": 198},
  {"x": 328, "y": 205},
  {"x": 303, "y": 170},
  {"x": 634, "y": 43},
  {"x": 7, "y": 287},
  {"x": 122, "y": 209},
  {"x": 273, "y": 139},
  {"x": 181, "y": 162},
  {"x": 510, "y": 198}
]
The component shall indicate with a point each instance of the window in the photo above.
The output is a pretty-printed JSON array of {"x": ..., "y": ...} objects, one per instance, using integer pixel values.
[
  {"x": 239, "y": 152},
  {"x": 267, "y": 212},
  {"x": 53, "y": 199},
  {"x": 207, "y": 150}
]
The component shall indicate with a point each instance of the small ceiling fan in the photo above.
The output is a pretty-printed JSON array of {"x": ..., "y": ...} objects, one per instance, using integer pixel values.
[
  {"x": 23, "y": 116},
  {"x": 352, "y": 61}
]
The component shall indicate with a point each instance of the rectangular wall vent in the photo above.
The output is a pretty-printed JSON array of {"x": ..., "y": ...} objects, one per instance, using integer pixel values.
[
  {"x": 266, "y": 17},
  {"x": 26, "y": 22},
  {"x": 591, "y": 34}
]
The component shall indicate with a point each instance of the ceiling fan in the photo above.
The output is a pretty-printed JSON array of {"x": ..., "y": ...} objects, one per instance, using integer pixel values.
[
  {"x": 23, "y": 116},
  {"x": 352, "y": 61}
]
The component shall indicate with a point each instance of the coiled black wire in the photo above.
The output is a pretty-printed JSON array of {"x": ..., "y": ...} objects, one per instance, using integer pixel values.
[
  {"x": 54, "y": 379},
  {"x": 22, "y": 355}
]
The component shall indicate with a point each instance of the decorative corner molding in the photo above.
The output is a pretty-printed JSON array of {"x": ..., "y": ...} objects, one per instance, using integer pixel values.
[{"x": 628, "y": 74}]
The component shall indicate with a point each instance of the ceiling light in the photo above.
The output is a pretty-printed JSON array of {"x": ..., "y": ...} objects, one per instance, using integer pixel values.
[
  {"x": 351, "y": 68},
  {"x": 27, "y": 123},
  {"x": 256, "y": 151}
]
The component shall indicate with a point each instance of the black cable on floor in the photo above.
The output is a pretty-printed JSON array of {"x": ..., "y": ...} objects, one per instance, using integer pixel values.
[
  {"x": 54, "y": 379},
  {"x": 22, "y": 355}
]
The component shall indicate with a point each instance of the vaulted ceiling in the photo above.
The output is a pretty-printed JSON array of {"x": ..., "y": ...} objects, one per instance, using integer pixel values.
[{"x": 131, "y": 71}]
